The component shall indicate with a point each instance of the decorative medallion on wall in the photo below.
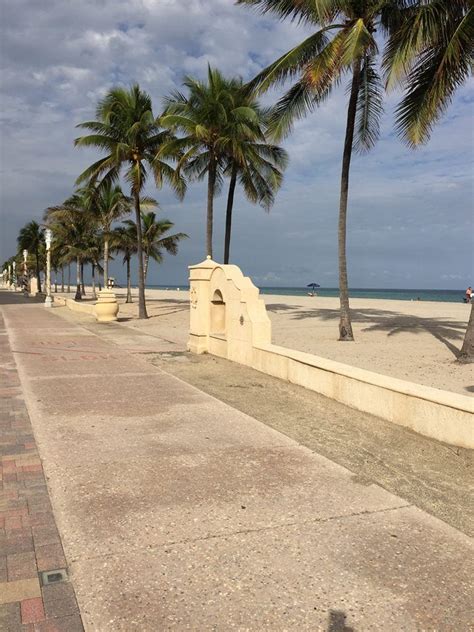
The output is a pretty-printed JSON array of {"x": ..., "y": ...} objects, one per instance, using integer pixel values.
[{"x": 194, "y": 297}]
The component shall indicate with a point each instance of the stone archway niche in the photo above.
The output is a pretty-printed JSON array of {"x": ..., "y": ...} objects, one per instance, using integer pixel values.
[
  {"x": 218, "y": 315},
  {"x": 228, "y": 318}
]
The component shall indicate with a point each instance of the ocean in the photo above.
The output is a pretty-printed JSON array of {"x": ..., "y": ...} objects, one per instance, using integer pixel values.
[{"x": 444, "y": 296}]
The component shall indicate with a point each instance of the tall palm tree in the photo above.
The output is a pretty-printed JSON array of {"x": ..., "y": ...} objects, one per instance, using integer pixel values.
[
  {"x": 31, "y": 238},
  {"x": 124, "y": 239},
  {"x": 131, "y": 137},
  {"x": 343, "y": 42},
  {"x": 154, "y": 238},
  {"x": 431, "y": 55},
  {"x": 204, "y": 117},
  {"x": 251, "y": 160},
  {"x": 72, "y": 226},
  {"x": 107, "y": 205}
]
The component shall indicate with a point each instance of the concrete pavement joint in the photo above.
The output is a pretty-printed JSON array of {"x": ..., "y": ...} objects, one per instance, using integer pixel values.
[
  {"x": 230, "y": 534},
  {"x": 40, "y": 378}
]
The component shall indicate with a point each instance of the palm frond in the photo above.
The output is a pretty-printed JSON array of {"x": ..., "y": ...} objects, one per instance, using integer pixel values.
[
  {"x": 290, "y": 64},
  {"x": 302, "y": 11},
  {"x": 291, "y": 107},
  {"x": 369, "y": 106},
  {"x": 440, "y": 69}
]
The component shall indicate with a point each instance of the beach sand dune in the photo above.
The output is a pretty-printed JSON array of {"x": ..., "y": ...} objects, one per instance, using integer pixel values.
[{"x": 410, "y": 340}]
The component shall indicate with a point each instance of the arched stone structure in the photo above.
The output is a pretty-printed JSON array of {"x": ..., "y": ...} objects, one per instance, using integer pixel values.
[
  {"x": 228, "y": 319},
  {"x": 227, "y": 316}
]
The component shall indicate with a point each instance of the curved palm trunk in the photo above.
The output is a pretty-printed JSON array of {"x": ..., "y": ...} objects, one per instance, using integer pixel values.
[
  {"x": 228, "y": 215},
  {"x": 55, "y": 281},
  {"x": 62, "y": 278},
  {"x": 78, "y": 296},
  {"x": 94, "y": 295},
  {"x": 141, "y": 280},
  {"x": 83, "y": 289},
  {"x": 38, "y": 269},
  {"x": 106, "y": 262},
  {"x": 129, "y": 283},
  {"x": 68, "y": 278},
  {"x": 345, "y": 326},
  {"x": 466, "y": 355},
  {"x": 145, "y": 267},
  {"x": 211, "y": 185}
]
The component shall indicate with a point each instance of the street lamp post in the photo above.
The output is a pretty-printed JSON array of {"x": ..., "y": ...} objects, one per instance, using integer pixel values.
[
  {"x": 47, "y": 237},
  {"x": 25, "y": 271}
]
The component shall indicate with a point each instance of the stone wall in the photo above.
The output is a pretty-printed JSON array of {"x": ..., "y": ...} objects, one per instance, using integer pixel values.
[{"x": 229, "y": 319}]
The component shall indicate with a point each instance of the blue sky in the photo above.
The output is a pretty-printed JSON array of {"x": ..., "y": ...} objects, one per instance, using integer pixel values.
[{"x": 410, "y": 212}]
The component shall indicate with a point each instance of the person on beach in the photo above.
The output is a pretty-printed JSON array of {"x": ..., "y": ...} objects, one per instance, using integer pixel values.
[{"x": 467, "y": 298}]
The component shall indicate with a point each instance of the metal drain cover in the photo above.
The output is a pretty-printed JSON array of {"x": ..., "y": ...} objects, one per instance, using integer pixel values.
[{"x": 53, "y": 577}]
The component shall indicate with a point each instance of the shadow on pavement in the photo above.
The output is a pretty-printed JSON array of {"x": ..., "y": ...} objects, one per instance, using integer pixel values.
[{"x": 337, "y": 622}]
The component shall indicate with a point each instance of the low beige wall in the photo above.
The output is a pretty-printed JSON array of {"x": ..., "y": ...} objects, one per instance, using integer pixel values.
[
  {"x": 246, "y": 339},
  {"x": 434, "y": 413},
  {"x": 75, "y": 306}
]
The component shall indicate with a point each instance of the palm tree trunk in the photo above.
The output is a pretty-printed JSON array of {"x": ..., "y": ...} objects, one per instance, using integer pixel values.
[
  {"x": 345, "y": 326},
  {"x": 55, "y": 281},
  {"x": 129, "y": 284},
  {"x": 145, "y": 267},
  {"x": 38, "y": 269},
  {"x": 94, "y": 295},
  {"x": 78, "y": 296},
  {"x": 228, "y": 215},
  {"x": 141, "y": 280},
  {"x": 68, "y": 278},
  {"x": 211, "y": 184},
  {"x": 62, "y": 278},
  {"x": 106, "y": 262},
  {"x": 466, "y": 355},
  {"x": 83, "y": 289}
]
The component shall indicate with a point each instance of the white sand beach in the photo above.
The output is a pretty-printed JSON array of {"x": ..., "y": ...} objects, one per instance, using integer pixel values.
[{"x": 410, "y": 340}]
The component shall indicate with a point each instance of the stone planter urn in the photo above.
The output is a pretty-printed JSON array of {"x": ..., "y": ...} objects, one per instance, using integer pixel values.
[{"x": 106, "y": 308}]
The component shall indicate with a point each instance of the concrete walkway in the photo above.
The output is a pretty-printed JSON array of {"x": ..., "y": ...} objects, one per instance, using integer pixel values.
[{"x": 178, "y": 512}]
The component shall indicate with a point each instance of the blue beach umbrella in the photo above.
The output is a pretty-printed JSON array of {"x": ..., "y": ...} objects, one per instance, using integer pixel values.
[{"x": 313, "y": 285}]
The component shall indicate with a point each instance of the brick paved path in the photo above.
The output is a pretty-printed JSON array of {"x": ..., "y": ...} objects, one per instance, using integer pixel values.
[{"x": 29, "y": 541}]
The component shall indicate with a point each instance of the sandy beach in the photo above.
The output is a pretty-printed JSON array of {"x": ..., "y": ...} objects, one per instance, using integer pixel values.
[{"x": 410, "y": 340}]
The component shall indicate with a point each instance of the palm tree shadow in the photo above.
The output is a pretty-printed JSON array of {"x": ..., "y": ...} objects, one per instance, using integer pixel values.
[
  {"x": 174, "y": 311},
  {"x": 443, "y": 329},
  {"x": 337, "y": 622}
]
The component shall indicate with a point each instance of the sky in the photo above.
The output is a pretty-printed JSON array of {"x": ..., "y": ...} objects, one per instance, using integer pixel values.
[{"x": 410, "y": 218}]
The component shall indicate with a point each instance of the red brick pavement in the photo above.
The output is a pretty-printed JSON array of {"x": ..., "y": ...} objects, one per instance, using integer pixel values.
[{"x": 29, "y": 540}]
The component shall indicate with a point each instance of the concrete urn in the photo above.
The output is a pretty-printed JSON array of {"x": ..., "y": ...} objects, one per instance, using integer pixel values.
[{"x": 106, "y": 308}]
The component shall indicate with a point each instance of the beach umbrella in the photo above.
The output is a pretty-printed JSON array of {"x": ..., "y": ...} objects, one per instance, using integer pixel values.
[{"x": 313, "y": 285}]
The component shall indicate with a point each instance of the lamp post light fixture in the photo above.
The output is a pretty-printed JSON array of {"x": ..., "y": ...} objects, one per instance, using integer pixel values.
[{"x": 48, "y": 235}]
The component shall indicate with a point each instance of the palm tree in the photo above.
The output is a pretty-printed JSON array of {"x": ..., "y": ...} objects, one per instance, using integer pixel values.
[
  {"x": 124, "y": 239},
  {"x": 257, "y": 164},
  {"x": 431, "y": 55},
  {"x": 107, "y": 204},
  {"x": 131, "y": 137},
  {"x": 31, "y": 238},
  {"x": 73, "y": 227},
  {"x": 343, "y": 42},
  {"x": 154, "y": 238},
  {"x": 204, "y": 117}
]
